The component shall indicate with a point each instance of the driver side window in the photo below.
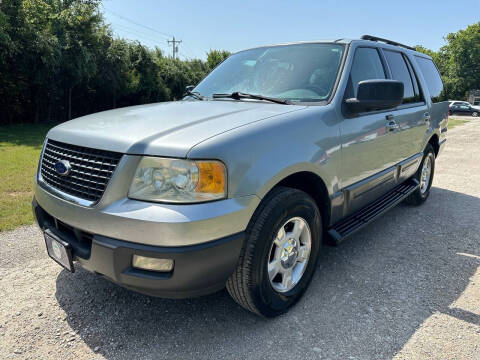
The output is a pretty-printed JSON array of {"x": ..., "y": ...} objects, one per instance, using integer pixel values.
[{"x": 366, "y": 66}]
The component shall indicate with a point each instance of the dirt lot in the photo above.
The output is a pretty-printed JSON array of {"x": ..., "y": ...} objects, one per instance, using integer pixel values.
[{"x": 405, "y": 287}]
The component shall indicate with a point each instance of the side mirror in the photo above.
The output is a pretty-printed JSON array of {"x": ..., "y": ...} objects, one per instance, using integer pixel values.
[
  {"x": 376, "y": 95},
  {"x": 189, "y": 88}
]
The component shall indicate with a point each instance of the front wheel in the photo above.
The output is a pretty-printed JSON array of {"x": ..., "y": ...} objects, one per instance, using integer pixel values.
[
  {"x": 475, "y": 113},
  {"x": 279, "y": 254},
  {"x": 424, "y": 176}
]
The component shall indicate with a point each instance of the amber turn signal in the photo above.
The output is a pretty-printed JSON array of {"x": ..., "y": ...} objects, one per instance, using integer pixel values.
[{"x": 211, "y": 178}]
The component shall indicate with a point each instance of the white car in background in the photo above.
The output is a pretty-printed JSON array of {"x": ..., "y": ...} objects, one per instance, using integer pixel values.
[{"x": 460, "y": 103}]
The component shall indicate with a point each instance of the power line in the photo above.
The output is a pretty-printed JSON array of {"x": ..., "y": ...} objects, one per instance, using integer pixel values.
[
  {"x": 184, "y": 52},
  {"x": 140, "y": 35},
  {"x": 184, "y": 56},
  {"x": 147, "y": 36},
  {"x": 174, "y": 46},
  {"x": 189, "y": 51},
  {"x": 136, "y": 23}
]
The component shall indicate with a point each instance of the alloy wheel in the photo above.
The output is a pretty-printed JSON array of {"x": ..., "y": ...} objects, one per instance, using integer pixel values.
[{"x": 289, "y": 254}]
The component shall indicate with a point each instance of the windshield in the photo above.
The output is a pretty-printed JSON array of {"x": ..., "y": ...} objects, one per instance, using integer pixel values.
[{"x": 299, "y": 72}]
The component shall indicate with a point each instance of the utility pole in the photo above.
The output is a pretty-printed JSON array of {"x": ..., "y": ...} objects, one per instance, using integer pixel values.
[{"x": 174, "y": 46}]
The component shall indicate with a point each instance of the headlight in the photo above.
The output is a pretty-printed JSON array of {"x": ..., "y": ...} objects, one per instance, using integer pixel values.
[{"x": 178, "y": 181}]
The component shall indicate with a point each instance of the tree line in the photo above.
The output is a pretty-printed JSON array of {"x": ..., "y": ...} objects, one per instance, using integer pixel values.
[
  {"x": 458, "y": 62},
  {"x": 60, "y": 60}
]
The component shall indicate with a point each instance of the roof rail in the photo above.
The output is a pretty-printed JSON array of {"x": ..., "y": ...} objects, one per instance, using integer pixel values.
[{"x": 374, "y": 38}]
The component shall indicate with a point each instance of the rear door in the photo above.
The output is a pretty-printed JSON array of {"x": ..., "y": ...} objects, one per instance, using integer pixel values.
[{"x": 412, "y": 116}]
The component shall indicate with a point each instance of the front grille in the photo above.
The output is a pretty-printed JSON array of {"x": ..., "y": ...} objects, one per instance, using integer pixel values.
[{"x": 91, "y": 169}]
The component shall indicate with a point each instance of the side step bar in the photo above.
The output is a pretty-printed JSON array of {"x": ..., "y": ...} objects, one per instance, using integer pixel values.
[{"x": 362, "y": 217}]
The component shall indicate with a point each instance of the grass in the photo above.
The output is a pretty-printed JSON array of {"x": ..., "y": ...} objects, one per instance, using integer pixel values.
[
  {"x": 452, "y": 122},
  {"x": 20, "y": 147}
]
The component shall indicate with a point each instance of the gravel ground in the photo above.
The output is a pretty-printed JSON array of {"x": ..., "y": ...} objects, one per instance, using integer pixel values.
[{"x": 406, "y": 287}]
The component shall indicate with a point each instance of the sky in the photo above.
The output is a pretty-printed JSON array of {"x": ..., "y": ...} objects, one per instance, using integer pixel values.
[{"x": 236, "y": 25}]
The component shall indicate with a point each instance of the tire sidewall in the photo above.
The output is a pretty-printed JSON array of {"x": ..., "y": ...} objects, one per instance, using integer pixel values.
[
  {"x": 273, "y": 302},
  {"x": 428, "y": 154}
]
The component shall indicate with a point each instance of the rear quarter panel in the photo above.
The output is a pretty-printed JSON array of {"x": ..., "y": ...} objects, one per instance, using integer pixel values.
[{"x": 438, "y": 110}]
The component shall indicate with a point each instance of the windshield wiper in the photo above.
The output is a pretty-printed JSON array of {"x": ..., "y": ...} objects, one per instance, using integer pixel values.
[
  {"x": 195, "y": 94},
  {"x": 239, "y": 95}
]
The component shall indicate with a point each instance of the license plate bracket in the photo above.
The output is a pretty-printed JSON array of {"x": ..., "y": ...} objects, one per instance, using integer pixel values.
[{"x": 59, "y": 250}]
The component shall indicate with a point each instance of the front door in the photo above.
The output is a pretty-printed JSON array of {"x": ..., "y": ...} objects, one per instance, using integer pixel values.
[{"x": 369, "y": 140}]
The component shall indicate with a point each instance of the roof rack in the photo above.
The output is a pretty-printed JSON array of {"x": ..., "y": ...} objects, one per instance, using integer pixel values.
[{"x": 374, "y": 38}]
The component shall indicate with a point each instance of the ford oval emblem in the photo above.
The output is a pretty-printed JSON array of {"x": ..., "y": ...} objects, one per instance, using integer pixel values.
[{"x": 63, "y": 167}]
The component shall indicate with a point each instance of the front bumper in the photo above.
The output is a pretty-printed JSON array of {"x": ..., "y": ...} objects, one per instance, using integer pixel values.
[
  {"x": 171, "y": 225},
  {"x": 198, "y": 269}
]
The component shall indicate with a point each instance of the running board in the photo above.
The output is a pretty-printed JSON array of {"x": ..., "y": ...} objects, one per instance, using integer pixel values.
[{"x": 362, "y": 217}]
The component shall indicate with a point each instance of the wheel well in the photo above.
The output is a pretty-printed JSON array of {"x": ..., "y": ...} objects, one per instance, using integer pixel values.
[
  {"x": 434, "y": 142},
  {"x": 314, "y": 186}
]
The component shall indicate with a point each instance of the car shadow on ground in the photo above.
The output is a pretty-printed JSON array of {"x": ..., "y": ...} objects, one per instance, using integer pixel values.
[{"x": 368, "y": 297}]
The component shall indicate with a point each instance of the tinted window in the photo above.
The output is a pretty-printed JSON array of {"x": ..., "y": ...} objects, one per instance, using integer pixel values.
[
  {"x": 400, "y": 72},
  {"x": 366, "y": 66},
  {"x": 416, "y": 83},
  {"x": 432, "y": 77}
]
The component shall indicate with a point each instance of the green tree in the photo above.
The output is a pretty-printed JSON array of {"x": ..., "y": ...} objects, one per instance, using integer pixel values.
[
  {"x": 146, "y": 82},
  {"x": 461, "y": 61},
  {"x": 58, "y": 59},
  {"x": 458, "y": 61},
  {"x": 41, "y": 51},
  {"x": 76, "y": 27},
  {"x": 13, "y": 82},
  {"x": 424, "y": 50},
  {"x": 215, "y": 57},
  {"x": 113, "y": 69},
  {"x": 176, "y": 74}
]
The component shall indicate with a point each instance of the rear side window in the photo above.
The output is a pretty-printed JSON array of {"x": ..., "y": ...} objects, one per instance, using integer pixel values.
[
  {"x": 432, "y": 77},
  {"x": 399, "y": 69},
  {"x": 366, "y": 66},
  {"x": 416, "y": 83}
]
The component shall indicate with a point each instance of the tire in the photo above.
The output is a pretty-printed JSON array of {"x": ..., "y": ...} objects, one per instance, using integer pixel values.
[
  {"x": 250, "y": 284},
  {"x": 420, "y": 195},
  {"x": 475, "y": 113}
]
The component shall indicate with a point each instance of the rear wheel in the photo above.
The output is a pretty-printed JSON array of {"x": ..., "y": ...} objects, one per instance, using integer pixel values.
[
  {"x": 424, "y": 176},
  {"x": 279, "y": 254}
]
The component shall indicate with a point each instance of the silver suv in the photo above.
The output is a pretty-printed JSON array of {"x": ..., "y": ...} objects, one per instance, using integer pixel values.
[{"x": 279, "y": 150}]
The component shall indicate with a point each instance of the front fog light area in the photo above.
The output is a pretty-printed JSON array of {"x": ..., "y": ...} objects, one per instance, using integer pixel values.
[{"x": 152, "y": 264}]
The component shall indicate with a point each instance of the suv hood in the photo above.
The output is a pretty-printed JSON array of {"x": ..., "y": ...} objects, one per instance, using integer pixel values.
[{"x": 164, "y": 129}]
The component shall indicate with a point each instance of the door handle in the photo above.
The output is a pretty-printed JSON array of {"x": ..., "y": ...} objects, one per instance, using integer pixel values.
[
  {"x": 426, "y": 117},
  {"x": 391, "y": 124}
]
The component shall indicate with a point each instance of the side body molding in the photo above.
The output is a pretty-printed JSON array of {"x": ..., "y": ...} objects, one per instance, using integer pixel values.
[{"x": 360, "y": 194}]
